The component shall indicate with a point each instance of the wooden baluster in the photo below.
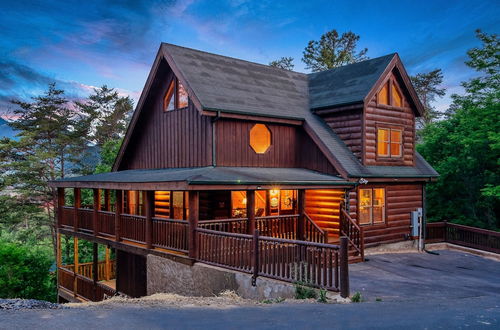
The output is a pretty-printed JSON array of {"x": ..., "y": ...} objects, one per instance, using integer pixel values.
[
  {"x": 60, "y": 204},
  {"x": 107, "y": 200}
]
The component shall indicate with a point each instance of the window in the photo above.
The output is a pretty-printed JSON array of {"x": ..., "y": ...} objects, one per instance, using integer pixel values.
[
  {"x": 371, "y": 205},
  {"x": 389, "y": 142},
  {"x": 260, "y": 138},
  {"x": 393, "y": 98},
  {"x": 383, "y": 95},
  {"x": 397, "y": 100},
  {"x": 176, "y": 96}
]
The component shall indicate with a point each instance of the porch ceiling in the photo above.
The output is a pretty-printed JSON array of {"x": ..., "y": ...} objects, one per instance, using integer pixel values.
[{"x": 203, "y": 178}]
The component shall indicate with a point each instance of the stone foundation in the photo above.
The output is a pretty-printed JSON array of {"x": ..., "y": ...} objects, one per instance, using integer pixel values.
[{"x": 165, "y": 275}]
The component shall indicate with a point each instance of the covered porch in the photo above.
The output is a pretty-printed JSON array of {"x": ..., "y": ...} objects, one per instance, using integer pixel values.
[{"x": 214, "y": 215}]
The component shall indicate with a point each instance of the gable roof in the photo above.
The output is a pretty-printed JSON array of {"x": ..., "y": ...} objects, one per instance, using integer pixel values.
[
  {"x": 347, "y": 84},
  {"x": 225, "y": 84}
]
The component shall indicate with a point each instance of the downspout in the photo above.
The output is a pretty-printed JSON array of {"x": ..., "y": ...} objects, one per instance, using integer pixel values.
[{"x": 214, "y": 154}]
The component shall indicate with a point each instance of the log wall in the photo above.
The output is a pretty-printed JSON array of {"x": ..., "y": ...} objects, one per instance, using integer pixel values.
[
  {"x": 388, "y": 116},
  {"x": 348, "y": 126},
  {"x": 401, "y": 200}
]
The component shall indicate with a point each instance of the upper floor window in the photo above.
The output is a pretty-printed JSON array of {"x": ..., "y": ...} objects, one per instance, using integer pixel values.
[
  {"x": 389, "y": 94},
  {"x": 176, "y": 96},
  {"x": 389, "y": 142},
  {"x": 371, "y": 205},
  {"x": 260, "y": 138}
]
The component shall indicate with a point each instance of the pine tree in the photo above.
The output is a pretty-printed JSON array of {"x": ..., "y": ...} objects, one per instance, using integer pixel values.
[
  {"x": 285, "y": 63},
  {"x": 427, "y": 87}
]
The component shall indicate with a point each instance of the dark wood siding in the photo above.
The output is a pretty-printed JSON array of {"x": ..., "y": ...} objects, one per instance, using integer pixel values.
[
  {"x": 290, "y": 147},
  {"x": 233, "y": 145},
  {"x": 403, "y": 118},
  {"x": 348, "y": 126},
  {"x": 131, "y": 274},
  {"x": 181, "y": 138},
  {"x": 401, "y": 200}
]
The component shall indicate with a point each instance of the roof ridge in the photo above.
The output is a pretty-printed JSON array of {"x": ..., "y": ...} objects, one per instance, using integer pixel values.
[
  {"x": 235, "y": 58},
  {"x": 347, "y": 65}
]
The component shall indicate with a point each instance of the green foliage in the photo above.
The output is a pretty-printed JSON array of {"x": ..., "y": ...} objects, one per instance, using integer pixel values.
[
  {"x": 109, "y": 151},
  {"x": 304, "y": 291},
  {"x": 427, "y": 87},
  {"x": 283, "y": 63},
  {"x": 24, "y": 273},
  {"x": 356, "y": 297},
  {"x": 378, "y": 299},
  {"x": 332, "y": 51},
  {"x": 465, "y": 148},
  {"x": 322, "y": 296}
]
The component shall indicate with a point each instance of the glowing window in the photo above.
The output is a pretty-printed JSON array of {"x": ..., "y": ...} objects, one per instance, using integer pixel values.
[
  {"x": 383, "y": 95},
  {"x": 389, "y": 142},
  {"x": 397, "y": 100},
  {"x": 260, "y": 138},
  {"x": 371, "y": 205}
]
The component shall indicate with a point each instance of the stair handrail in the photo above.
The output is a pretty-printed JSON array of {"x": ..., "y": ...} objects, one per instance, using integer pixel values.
[
  {"x": 318, "y": 228},
  {"x": 360, "y": 246}
]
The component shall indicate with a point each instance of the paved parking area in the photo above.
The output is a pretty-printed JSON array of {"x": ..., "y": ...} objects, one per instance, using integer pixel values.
[{"x": 423, "y": 276}]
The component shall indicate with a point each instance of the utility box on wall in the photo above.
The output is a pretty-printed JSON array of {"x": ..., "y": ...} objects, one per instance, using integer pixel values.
[{"x": 415, "y": 222}]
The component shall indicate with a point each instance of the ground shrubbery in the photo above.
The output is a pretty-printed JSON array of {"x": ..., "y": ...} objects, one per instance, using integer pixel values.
[{"x": 24, "y": 273}]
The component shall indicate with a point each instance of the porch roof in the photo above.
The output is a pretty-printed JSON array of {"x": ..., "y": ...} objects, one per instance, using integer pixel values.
[{"x": 209, "y": 177}]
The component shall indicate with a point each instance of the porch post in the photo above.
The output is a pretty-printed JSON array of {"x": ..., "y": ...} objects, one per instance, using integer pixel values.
[
  {"x": 78, "y": 204},
  {"x": 95, "y": 263},
  {"x": 344, "y": 267},
  {"x": 193, "y": 222},
  {"x": 301, "y": 211},
  {"x": 118, "y": 212},
  {"x": 97, "y": 203},
  {"x": 251, "y": 211},
  {"x": 60, "y": 204},
  {"x": 149, "y": 203},
  {"x": 107, "y": 268},
  {"x": 75, "y": 265}
]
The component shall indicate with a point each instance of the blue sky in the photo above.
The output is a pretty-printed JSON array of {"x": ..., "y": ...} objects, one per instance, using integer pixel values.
[{"x": 82, "y": 44}]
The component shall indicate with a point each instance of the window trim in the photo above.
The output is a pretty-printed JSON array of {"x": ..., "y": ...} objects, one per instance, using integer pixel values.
[
  {"x": 384, "y": 208},
  {"x": 390, "y": 128},
  {"x": 175, "y": 95}
]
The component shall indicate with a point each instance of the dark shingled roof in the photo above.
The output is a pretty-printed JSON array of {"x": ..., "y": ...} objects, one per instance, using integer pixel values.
[
  {"x": 346, "y": 84},
  {"x": 215, "y": 175}
]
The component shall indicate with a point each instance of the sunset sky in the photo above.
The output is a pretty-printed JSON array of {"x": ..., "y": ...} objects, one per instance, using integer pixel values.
[{"x": 82, "y": 44}]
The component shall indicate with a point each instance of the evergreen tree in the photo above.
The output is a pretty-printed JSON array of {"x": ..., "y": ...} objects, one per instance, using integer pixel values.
[
  {"x": 283, "y": 63},
  {"x": 332, "y": 51},
  {"x": 427, "y": 87}
]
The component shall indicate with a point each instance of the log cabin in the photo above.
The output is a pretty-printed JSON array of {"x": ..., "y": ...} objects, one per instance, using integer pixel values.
[{"x": 252, "y": 168}]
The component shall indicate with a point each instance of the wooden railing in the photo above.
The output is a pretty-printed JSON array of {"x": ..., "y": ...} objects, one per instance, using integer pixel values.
[
  {"x": 313, "y": 233},
  {"x": 350, "y": 229},
  {"x": 315, "y": 264},
  {"x": 170, "y": 234},
  {"x": 236, "y": 225},
  {"x": 476, "y": 238},
  {"x": 106, "y": 223},
  {"x": 85, "y": 218},
  {"x": 279, "y": 226},
  {"x": 228, "y": 250},
  {"x": 68, "y": 216},
  {"x": 133, "y": 227},
  {"x": 85, "y": 287}
]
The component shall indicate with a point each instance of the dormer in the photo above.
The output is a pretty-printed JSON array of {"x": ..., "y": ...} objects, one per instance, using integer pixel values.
[{"x": 372, "y": 107}]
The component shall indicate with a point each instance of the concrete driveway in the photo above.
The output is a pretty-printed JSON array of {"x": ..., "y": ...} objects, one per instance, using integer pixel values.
[{"x": 421, "y": 276}]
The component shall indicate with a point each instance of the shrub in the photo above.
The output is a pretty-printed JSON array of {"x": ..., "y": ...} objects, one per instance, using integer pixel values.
[
  {"x": 356, "y": 297},
  {"x": 322, "y": 296},
  {"x": 24, "y": 273},
  {"x": 303, "y": 291}
]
